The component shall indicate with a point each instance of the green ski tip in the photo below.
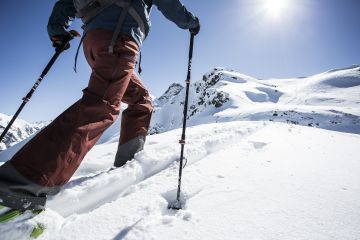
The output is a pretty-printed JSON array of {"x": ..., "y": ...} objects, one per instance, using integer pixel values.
[
  {"x": 9, "y": 215},
  {"x": 37, "y": 231}
]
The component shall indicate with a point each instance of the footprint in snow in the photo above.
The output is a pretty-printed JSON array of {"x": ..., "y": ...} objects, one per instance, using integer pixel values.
[{"x": 259, "y": 145}]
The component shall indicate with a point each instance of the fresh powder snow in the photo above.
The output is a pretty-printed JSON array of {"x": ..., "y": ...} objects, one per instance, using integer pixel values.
[{"x": 266, "y": 159}]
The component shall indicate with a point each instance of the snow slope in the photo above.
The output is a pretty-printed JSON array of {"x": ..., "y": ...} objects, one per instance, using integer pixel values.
[
  {"x": 266, "y": 159},
  {"x": 262, "y": 180}
]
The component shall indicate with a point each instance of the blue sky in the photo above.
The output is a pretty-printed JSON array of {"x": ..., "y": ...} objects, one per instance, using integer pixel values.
[{"x": 304, "y": 38}]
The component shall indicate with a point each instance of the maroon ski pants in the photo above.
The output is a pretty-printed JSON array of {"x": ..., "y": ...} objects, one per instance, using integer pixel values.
[{"x": 54, "y": 154}]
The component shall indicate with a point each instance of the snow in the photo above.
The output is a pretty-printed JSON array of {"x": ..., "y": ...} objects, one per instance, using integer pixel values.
[
  {"x": 328, "y": 100},
  {"x": 19, "y": 131},
  {"x": 263, "y": 180},
  {"x": 265, "y": 164}
]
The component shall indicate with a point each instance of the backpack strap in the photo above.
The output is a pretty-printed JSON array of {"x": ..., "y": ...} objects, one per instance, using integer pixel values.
[
  {"x": 93, "y": 9},
  {"x": 134, "y": 14},
  {"x": 119, "y": 24}
]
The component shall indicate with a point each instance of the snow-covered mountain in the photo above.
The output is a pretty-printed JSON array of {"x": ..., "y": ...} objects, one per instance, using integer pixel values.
[
  {"x": 18, "y": 132},
  {"x": 173, "y": 90},
  {"x": 266, "y": 159},
  {"x": 328, "y": 100}
]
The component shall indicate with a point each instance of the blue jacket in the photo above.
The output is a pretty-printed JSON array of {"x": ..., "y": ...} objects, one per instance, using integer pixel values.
[{"x": 64, "y": 13}]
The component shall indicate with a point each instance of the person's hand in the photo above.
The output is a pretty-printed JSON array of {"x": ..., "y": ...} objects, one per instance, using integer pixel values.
[
  {"x": 59, "y": 40},
  {"x": 196, "y": 29}
]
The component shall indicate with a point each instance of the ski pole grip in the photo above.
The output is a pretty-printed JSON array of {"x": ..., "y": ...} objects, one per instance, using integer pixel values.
[{"x": 71, "y": 35}]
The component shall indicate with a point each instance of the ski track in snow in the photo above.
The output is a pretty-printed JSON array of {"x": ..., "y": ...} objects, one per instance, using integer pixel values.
[
  {"x": 97, "y": 192},
  {"x": 89, "y": 192}
]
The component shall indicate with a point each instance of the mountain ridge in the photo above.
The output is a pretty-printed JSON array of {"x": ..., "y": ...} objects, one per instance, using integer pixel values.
[
  {"x": 327, "y": 100},
  {"x": 19, "y": 131}
]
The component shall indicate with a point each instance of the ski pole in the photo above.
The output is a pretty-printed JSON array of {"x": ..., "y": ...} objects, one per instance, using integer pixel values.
[
  {"x": 26, "y": 99},
  {"x": 177, "y": 204}
]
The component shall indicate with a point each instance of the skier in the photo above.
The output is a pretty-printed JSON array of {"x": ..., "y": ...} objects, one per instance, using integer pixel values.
[{"x": 114, "y": 31}]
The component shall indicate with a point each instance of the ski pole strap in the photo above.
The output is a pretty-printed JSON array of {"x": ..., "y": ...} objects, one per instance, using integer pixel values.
[
  {"x": 139, "y": 65},
  {"x": 182, "y": 141},
  {"x": 77, "y": 52}
]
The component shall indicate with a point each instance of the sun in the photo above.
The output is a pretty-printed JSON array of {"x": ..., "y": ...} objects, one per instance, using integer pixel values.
[{"x": 276, "y": 8}]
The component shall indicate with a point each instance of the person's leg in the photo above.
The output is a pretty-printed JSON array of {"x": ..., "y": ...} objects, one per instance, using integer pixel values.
[
  {"x": 135, "y": 121},
  {"x": 53, "y": 155}
]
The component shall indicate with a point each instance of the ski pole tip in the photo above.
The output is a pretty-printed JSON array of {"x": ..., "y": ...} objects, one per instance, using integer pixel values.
[{"x": 175, "y": 205}]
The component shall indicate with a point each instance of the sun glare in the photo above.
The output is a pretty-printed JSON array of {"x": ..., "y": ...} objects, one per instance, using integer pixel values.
[{"x": 276, "y": 8}]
